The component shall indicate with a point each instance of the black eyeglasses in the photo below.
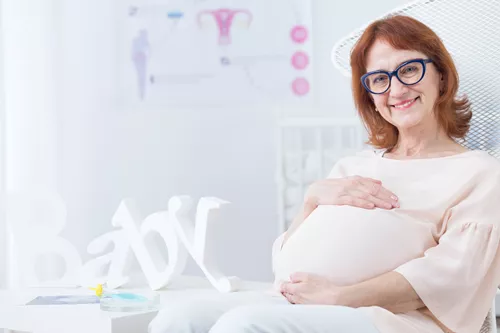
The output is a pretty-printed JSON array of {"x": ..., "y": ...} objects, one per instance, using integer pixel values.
[{"x": 408, "y": 73}]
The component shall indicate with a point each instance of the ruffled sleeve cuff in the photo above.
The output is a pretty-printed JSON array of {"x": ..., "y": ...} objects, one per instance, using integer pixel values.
[{"x": 454, "y": 278}]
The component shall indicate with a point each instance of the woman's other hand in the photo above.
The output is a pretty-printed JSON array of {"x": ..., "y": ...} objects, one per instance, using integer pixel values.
[
  {"x": 354, "y": 191},
  {"x": 306, "y": 288}
]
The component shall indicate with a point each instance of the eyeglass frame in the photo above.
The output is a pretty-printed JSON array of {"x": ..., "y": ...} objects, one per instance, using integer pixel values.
[{"x": 424, "y": 63}]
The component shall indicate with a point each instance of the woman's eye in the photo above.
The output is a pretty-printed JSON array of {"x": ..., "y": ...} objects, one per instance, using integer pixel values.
[
  {"x": 379, "y": 79},
  {"x": 409, "y": 69}
]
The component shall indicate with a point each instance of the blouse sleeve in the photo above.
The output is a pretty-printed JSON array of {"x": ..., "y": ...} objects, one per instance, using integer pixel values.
[
  {"x": 338, "y": 169},
  {"x": 457, "y": 279}
]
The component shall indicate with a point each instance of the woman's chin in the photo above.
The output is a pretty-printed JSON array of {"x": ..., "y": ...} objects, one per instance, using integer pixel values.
[{"x": 406, "y": 121}]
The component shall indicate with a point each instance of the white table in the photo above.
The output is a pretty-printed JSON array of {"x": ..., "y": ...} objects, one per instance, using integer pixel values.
[{"x": 14, "y": 315}]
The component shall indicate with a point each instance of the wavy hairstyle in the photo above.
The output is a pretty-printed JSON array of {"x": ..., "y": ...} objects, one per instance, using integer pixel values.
[{"x": 405, "y": 33}]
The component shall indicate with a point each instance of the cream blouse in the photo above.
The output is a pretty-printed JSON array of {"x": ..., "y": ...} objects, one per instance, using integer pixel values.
[{"x": 444, "y": 239}]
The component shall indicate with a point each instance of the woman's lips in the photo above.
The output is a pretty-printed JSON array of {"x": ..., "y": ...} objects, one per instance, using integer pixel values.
[{"x": 405, "y": 104}]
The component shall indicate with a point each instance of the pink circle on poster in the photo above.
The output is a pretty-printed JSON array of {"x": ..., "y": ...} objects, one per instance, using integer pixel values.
[
  {"x": 300, "y": 86},
  {"x": 299, "y": 34},
  {"x": 300, "y": 60}
]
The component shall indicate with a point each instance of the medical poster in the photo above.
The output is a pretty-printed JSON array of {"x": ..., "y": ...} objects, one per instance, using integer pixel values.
[{"x": 212, "y": 52}]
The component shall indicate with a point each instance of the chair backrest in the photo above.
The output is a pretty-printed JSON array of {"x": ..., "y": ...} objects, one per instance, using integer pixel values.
[
  {"x": 470, "y": 31},
  {"x": 490, "y": 323}
]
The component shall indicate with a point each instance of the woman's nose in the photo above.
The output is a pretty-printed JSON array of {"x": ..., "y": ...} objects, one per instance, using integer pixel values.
[{"x": 397, "y": 88}]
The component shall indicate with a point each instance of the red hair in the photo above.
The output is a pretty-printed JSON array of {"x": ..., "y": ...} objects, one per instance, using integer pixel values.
[{"x": 406, "y": 33}]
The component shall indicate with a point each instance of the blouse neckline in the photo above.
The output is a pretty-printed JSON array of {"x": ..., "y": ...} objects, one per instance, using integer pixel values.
[{"x": 380, "y": 155}]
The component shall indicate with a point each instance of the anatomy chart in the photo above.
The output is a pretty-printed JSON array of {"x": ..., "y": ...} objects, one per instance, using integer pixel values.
[{"x": 211, "y": 52}]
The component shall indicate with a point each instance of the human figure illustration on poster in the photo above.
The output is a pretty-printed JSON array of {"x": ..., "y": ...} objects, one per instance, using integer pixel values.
[{"x": 141, "y": 51}]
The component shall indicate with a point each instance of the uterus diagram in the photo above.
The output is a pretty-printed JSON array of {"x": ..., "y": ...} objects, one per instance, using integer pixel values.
[{"x": 224, "y": 19}]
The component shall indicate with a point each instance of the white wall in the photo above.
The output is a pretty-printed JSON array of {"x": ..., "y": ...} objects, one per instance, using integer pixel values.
[
  {"x": 29, "y": 89},
  {"x": 3, "y": 225},
  {"x": 105, "y": 154}
]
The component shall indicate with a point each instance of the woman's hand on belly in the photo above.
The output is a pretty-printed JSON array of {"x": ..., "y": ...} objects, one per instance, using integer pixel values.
[
  {"x": 354, "y": 191},
  {"x": 305, "y": 288}
]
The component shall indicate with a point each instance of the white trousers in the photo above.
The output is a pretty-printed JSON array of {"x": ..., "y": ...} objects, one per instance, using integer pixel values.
[{"x": 257, "y": 312}]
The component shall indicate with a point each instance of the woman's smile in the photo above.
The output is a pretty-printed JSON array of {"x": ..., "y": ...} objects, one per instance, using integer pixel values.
[{"x": 404, "y": 105}]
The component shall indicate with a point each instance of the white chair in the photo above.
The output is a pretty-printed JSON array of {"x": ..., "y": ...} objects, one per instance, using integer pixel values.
[{"x": 470, "y": 31}]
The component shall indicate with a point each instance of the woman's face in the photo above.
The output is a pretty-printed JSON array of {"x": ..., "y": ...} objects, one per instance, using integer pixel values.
[{"x": 404, "y": 106}]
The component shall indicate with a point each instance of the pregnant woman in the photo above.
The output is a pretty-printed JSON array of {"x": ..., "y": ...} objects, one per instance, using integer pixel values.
[{"x": 400, "y": 238}]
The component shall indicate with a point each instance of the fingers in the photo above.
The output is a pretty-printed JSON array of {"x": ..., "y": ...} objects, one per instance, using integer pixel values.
[
  {"x": 386, "y": 194},
  {"x": 294, "y": 299},
  {"x": 356, "y": 201},
  {"x": 375, "y": 187},
  {"x": 381, "y": 203},
  {"x": 376, "y": 193},
  {"x": 388, "y": 197},
  {"x": 371, "y": 179},
  {"x": 291, "y": 291},
  {"x": 289, "y": 288},
  {"x": 357, "y": 191},
  {"x": 372, "y": 199}
]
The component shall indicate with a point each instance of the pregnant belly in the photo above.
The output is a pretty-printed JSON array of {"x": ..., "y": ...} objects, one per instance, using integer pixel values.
[{"x": 349, "y": 244}]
